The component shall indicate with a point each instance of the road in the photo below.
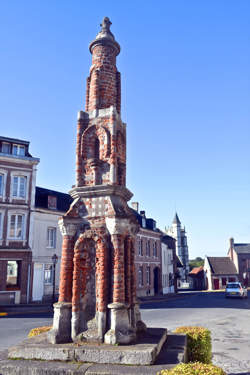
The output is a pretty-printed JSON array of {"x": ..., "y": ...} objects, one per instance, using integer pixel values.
[{"x": 227, "y": 319}]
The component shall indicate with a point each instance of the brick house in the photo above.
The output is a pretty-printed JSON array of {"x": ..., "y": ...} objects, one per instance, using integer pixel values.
[
  {"x": 147, "y": 255},
  {"x": 219, "y": 271},
  {"x": 17, "y": 198},
  {"x": 239, "y": 253},
  {"x": 46, "y": 241}
]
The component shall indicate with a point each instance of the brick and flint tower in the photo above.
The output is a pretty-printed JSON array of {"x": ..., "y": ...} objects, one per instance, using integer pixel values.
[{"x": 97, "y": 296}]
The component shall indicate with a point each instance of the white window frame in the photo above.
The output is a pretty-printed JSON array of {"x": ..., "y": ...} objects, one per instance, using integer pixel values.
[
  {"x": 155, "y": 249},
  {"x": 44, "y": 271},
  {"x": 51, "y": 242},
  {"x": 140, "y": 276},
  {"x": 19, "y": 174},
  {"x": 19, "y": 147},
  {"x": 16, "y": 239},
  {"x": 6, "y": 143},
  {"x": 148, "y": 248},
  {"x": 2, "y": 212},
  {"x": 3, "y": 189},
  {"x": 148, "y": 276}
]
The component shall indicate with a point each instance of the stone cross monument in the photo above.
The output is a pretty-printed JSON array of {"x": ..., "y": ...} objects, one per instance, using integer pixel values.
[{"x": 97, "y": 293}]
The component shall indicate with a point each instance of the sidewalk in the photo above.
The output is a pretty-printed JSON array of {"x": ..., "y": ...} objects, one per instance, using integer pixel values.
[
  {"x": 26, "y": 308},
  {"x": 48, "y": 306}
]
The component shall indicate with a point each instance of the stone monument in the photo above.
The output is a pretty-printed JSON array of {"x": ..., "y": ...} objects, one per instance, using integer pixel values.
[{"x": 97, "y": 293}]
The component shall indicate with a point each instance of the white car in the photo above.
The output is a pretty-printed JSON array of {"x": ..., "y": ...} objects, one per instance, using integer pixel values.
[{"x": 235, "y": 289}]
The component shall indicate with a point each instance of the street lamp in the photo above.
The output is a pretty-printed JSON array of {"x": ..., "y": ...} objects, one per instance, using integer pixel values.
[{"x": 54, "y": 261}]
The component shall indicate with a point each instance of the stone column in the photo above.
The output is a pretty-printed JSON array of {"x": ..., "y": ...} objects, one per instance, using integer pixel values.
[
  {"x": 121, "y": 331},
  {"x": 61, "y": 331},
  {"x": 80, "y": 274},
  {"x": 101, "y": 286}
]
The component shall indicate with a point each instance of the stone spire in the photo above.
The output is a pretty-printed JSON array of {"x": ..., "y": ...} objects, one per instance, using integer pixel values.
[{"x": 176, "y": 219}]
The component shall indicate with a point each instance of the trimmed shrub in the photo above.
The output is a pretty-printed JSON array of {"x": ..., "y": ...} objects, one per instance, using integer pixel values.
[
  {"x": 194, "y": 368},
  {"x": 37, "y": 331},
  {"x": 199, "y": 347}
]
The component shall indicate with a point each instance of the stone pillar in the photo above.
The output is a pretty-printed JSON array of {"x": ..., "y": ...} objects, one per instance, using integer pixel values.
[
  {"x": 61, "y": 331},
  {"x": 121, "y": 331},
  {"x": 101, "y": 286},
  {"x": 80, "y": 274}
]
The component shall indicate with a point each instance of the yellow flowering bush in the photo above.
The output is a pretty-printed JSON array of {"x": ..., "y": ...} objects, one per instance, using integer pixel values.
[
  {"x": 194, "y": 368},
  {"x": 37, "y": 331},
  {"x": 199, "y": 347}
]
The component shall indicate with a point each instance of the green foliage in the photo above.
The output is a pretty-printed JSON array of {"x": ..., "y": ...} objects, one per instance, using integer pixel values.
[
  {"x": 195, "y": 368},
  {"x": 197, "y": 262},
  {"x": 199, "y": 347}
]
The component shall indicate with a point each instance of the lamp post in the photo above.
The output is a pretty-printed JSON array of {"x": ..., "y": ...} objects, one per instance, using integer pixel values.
[{"x": 54, "y": 261}]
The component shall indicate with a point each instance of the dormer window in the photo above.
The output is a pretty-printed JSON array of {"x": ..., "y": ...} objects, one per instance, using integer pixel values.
[
  {"x": 6, "y": 148},
  {"x": 143, "y": 222},
  {"x": 52, "y": 202},
  {"x": 18, "y": 150}
]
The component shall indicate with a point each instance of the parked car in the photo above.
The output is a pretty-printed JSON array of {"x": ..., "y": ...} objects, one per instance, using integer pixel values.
[{"x": 235, "y": 289}]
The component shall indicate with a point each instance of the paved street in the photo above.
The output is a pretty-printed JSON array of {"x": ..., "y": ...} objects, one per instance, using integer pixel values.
[{"x": 228, "y": 320}]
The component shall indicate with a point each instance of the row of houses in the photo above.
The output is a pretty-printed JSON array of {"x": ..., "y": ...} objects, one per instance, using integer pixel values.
[
  {"x": 218, "y": 271},
  {"x": 30, "y": 239}
]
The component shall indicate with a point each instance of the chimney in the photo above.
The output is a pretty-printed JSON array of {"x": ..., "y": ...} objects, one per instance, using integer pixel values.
[
  {"x": 135, "y": 206},
  {"x": 231, "y": 242}
]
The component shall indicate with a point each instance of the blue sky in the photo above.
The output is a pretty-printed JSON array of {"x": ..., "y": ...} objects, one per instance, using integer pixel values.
[{"x": 185, "y": 69}]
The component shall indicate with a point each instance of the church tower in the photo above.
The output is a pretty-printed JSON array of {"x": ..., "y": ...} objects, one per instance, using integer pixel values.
[{"x": 97, "y": 293}]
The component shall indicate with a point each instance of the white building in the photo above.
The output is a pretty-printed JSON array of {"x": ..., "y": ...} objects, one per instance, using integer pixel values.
[
  {"x": 46, "y": 240},
  {"x": 179, "y": 234},
  {"x": 168, "y": 271}
]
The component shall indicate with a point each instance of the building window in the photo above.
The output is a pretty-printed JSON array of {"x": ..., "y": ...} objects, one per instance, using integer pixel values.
[
  {"x": 140, "y": 274},
  {"x": 52, "y": 202},
  {"x": 143, "y": 222},
  {"x": 1, "y": 184},
  {"x": 140, "y": 247},
  {"x": 48, "y": 274},
  {"x": 18, "y": 150},
  {"x": 6, "y": 148},
  {"x": 148, "y": 276},
  {"x": 16, "y": 227},
  {"x": 155, "y": 249},
  {"x": 51, "y": 238},
  {"x": 1, "y": 225},
  {"x": 12, "y": 273},
  {"x": 19, "y": 186},
  {"x": 148, "y": 248}
]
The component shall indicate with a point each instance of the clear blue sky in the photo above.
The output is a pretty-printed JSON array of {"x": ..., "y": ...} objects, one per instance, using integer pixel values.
[{"x": 185, "y": 69}]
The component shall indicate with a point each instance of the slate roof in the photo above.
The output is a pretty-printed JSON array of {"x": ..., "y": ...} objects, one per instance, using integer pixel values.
[
  {"x": 41, "y": 199},
  {"x": 168, "y": 240},
  {"x": 242, "y": 248},
  {"x": 222, "y": 266},
  {"x": 149, "y": 222},
  {"x": 176, "y": 219}
]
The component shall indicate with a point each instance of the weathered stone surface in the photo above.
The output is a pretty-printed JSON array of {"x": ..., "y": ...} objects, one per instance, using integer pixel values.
[
  {"x": 143, "y": 352},
  {"x": 172, "y": 353}
]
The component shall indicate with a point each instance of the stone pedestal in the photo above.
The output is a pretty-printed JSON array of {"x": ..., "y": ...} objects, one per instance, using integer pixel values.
[
  {"x": 121, "y": 331},
  {"x": 61, "y": 332}
]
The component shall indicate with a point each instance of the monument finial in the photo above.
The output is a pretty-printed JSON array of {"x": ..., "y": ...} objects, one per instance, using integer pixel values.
[
  {"x": 105, "y": 25},
  {"x": 105, "y": 37}
]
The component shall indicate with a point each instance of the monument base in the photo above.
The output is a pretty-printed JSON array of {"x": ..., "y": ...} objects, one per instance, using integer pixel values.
[{"x": 143, "y": 352}]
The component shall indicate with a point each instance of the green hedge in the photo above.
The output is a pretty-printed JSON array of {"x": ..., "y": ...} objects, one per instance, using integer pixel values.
[
  {"x": 195, "y": 368},
  {"x": 199, "y": 347}
]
